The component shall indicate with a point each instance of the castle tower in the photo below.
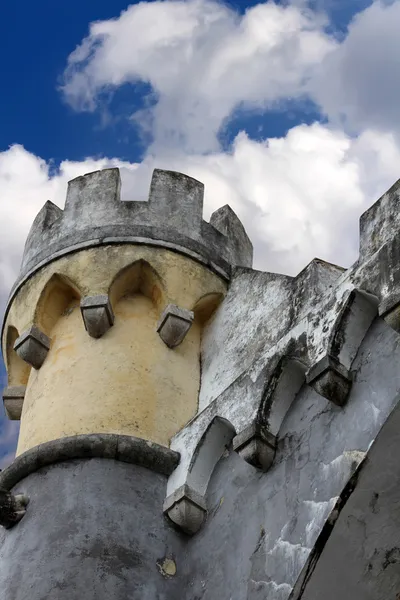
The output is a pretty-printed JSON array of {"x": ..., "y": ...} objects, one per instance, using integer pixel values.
[
  {"x": 102, "y": 346},
  {"x": 191, "y": 428}
]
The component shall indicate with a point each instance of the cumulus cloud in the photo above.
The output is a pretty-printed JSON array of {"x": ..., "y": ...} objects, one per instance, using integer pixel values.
[
  {"x": 202, "y": 60},
  {"x": 26, "y": 182},
  {"x": 358, "y": 82}
]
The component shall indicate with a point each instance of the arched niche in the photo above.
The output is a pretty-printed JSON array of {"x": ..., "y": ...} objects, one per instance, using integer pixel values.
[
  {"x": 17, "y": 369},
  {"x": 206, "y": 306},
  {"x": 209, "y": 451},
  {"x": 134, "y": 279},
  {"x": 256, "y": 444},
  {"x": 59, "y": 296},
  {"x": 187, "y": 505},
  {"x": 280, "y": 392}
]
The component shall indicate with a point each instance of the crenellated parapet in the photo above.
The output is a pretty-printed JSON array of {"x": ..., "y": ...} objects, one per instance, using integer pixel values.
[
  {"x": 94, "y": 215},
  {"x": 110, "y": 305}
]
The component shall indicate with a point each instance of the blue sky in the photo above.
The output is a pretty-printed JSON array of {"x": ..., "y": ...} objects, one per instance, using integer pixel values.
[{"x": 287, "y": 111}]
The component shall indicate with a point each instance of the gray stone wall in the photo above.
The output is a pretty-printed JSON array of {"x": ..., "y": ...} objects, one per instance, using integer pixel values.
[
  {"x": 94, "y": 530},
  {"x": 262, "y": 527}
]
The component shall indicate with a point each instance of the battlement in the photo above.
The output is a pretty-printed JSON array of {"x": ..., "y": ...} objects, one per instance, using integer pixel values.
[{"x": 172, "y": 218}]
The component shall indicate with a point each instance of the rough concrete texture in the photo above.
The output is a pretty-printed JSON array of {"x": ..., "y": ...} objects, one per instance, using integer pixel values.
[
  {"x": 261, "y": 527},
  {"x": 360, "y": 560},
  {"x": 317, "y": 319},
  {"x": 93, "y": 529},
  {"x": 172, "y": 217}
]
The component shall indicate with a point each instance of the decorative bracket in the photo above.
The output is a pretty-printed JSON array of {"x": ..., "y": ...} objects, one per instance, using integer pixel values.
[
  {"x": 389, "y": 310},
  {"x": 13, "y": 399},
  {"x": 330, "y": 379},
  {"x": 256, "y": 445},
  {"x": 186, "y": 508},
  {"x": 97, "y": 315},
  {"x": 174, "y": 324},
  {"x": 32, "y": 346}
]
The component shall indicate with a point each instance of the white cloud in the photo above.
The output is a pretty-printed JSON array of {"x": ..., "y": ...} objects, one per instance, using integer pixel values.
[
  {"x": 358, "y": 83},
  {"x": 26, "y": 183},
  {"x": 202, "y": 60}
]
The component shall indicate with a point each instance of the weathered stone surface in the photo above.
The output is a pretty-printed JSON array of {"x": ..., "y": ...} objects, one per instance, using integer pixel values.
[
  {"x": 12, "y": 508},
  {"x": 97, "y": 314},
  {"x": 174, "y": 324},
  {"x": 261, "y": 528},
  {"x": 123, "y": 448},
  {"x": 360, "y": 556},
  {"x": 256, "y": 446},
  {"x": 32, "y": 346},
  {"x": 330, "y": 379},
  {"x": 226, "y": 221},
  {"x": 13, "y": 400},
  {"x": 94, "y": 529},
  {"x": 172, "y": 218},
  {"x": 389, "y": 309},
  {"x": 186, "y": 508}
]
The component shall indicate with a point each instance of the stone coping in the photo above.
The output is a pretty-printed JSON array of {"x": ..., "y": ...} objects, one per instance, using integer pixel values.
[{"x": 124, "y": 448}]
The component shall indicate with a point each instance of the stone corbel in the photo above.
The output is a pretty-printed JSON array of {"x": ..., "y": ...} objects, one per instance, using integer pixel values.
[
  {"x": 174, "y": 324},
  {"x": 97, "y": 315},
  {"x": 389, "y": 310},
  {"x": 12, "y": 508},
  {"x": 186, "y": 508},
  {"x": 330, "y": 379},
  {"x": 13, "y": 399},
  {"x": 256, "y": 445},
  {"x": 32, "y": 346}
]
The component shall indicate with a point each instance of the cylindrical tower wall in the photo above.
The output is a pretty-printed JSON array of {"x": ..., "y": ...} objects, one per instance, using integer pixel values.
[
  {"x": 94, "y": 530},
  {"x": 128, "y": 381}
]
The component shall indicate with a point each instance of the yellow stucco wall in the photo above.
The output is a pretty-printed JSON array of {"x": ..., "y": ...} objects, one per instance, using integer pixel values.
[{"x": 128, "y": 381}]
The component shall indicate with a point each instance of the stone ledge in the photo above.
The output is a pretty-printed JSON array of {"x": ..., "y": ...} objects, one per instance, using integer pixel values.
[{"x": 124, "y": 448}]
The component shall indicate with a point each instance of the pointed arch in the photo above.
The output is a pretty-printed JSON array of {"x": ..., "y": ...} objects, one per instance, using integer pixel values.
[
  {"x": 356, "y": 316},
  {"x": 186, "y": 506},
  {"x": 209, "y": 451},
  {"x": 206, "y": 306},
  {"x": 280, "y": 392},
  {"x": 58, "y": 296},
  {"x": 137, "y": 278}
]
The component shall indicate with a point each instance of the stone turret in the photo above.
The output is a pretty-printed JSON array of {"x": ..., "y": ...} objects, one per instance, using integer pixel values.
[
  {"x": 82, "y": 318},
  {"x": 190, "y": 427}
]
